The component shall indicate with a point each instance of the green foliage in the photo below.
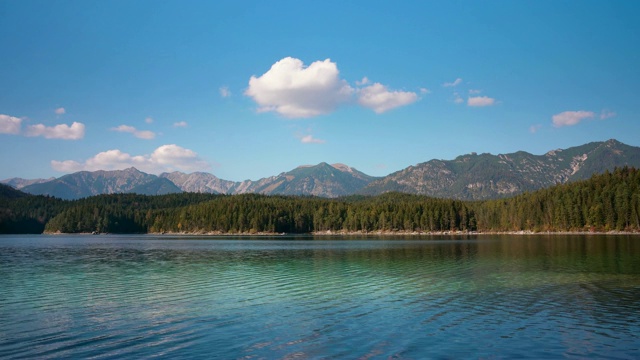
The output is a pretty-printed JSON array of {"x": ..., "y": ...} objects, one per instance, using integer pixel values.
[{"x": 610, "y": 201}]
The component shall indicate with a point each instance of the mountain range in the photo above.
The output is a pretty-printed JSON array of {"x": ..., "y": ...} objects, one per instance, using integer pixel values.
[{"x": 467, "y": 177}]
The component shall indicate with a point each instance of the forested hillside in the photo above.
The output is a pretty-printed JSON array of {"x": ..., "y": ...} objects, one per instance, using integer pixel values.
[{"x": 610, "y": 201}]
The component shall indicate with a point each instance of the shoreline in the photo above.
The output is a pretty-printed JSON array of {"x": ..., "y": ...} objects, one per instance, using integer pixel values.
[{"x": 330, "y": 233}]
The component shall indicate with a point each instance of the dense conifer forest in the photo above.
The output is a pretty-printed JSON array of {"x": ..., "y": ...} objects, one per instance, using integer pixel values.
[{"x": 605, "y": 202}]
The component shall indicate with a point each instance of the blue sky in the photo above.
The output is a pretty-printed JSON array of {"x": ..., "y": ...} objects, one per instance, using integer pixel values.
[{"x": 249, "y": 89}]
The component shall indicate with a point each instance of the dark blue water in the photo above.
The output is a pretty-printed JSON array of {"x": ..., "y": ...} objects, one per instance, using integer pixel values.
[{"x": 276, "y": 298}]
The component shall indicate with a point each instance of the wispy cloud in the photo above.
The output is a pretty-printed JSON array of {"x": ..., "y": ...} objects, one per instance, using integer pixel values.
[
  {"x": 60, "y": 111},
  {"x": 570, "y": 118},
  {"x": 606, "y": 114},
  {"x": 480, "y": 101},
  {"x": 378, "y": 98},
  {"x": 180, "y": 124},
  {"x": 140, "y": 134},
  {"x": 309, "y": 139},
  {"x": 224, "y": 92},
  {"x": 457, "y": 98},
  {"x": 534, "y": 128},
  {"x": 148, "y": 120},
  {"x": 425, "y": 91},
  {"x": 10, "y": 124},
  {"x": 163, "y": 159},
  {"x": 454, "y": 83},
  {"x": 474, "y": 91},
  {"x": 62, "y": 131}
]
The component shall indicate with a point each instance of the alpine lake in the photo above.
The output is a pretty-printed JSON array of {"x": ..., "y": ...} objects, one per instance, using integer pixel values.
[{"x": 305, "y": 297}]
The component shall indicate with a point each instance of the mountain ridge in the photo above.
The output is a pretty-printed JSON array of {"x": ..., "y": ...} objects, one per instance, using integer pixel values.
[{"x": 467, "y": 177}]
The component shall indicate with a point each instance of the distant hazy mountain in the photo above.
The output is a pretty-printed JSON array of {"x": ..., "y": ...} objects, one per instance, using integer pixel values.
[
  {"x": 199, "y": 182},
  {"x": 19, "y": 183},
  {"x": 319, "y": 180},
  {"x": 85, "y": 183},
  {"x": 488, "y": 176}
]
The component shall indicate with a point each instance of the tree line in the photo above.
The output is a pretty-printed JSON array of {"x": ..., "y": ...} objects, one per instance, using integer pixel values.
[{"x": 609, "y": 201}]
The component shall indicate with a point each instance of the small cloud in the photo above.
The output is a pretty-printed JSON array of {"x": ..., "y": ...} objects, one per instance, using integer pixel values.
[
  {"x": 62, "y": 131},
  {"x": 534, "y": 128},
  {"x": 140, "y": 134},
  {"x": 295, "y": 91},
  {"x": 606, "y": 114},
  {"x": 480, "y": 101},
  {"x": 474, "y": 92},
  {"x": 309, "y": 139},
  {"x": 148, "y": 120},
  {"x": 457, "y": 99},
  {"x": 10, "y": 124},
  {"x": 364, "y": 81},
  {"x": 224, "y": 92},
  {"x": 60, "y": 111},
  {"x": 180, "y": 124},
  {"x": 166, "y": 158},
  {"x": 456, "y": 82},
  {"x": 381, "y": 166},
  {"x": 425, "y": 91},
  {"x": 378, "y": 98},
  {"x": 569, "y": 118}
]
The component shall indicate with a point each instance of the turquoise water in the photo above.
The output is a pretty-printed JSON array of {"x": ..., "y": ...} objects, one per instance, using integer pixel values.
[{"x": 300, "y": 297}]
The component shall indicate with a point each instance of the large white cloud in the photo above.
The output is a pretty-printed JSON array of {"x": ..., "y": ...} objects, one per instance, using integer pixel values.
[
  {"x": 165, "y": 158},
  {"x": 9, "y": 124},
  {"x": 568, "y": 118},
  {"x": 378, "y": 98},
  {"x": 295, "y": 91},
  {"x": 61, "y": 131},
  {"x": 140, "y": 134}
]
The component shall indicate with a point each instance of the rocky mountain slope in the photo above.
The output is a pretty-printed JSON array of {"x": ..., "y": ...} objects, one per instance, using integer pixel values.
[
  {"x": 486, "y": 176},
  {"x": 318, "y": 180}
]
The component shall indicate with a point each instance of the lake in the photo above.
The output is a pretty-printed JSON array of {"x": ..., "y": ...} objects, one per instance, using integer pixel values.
[{"x": 489, "y": 296}]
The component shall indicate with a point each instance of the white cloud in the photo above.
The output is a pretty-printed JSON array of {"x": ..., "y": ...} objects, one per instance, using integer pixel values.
[
  {"x": 456, "y": 82},
  {"x": 474, "y": 92},
  {"x": 140, "y": 134},
  {"x": 148, "y": 120},
  {"x": 10, "y": 124},
  {"x": 480, "y": 101},
  {"x": 225, "y": 92},
  {"x": 378, "y": 98},
  {"x": 295, "y": 91},
  {"x": 180, "y": 124},
  {"x": 364, "y": 81},
  {"x": 568, "y": 118},
  {"x": 606, "y": 114},
  {"x": 457, "y": 99},
  {"x": 425, "y": 91},
  {"x": 309, "y": 139},
  {"x": 166, "y": 158},
  {"x": 60, "y": 111},
  {"x": 62, "y": 131},
  {"x": 534, "y": 128}
]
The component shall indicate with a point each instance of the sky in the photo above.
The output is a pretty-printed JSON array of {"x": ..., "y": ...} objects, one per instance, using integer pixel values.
[{"x": 250, "y": 89}]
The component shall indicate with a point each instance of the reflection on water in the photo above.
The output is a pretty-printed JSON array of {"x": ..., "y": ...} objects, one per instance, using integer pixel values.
[{"x": 484, "y": 296}]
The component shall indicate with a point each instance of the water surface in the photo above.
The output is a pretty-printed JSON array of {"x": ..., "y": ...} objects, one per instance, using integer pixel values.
[{"x": 300, "y": 297}]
